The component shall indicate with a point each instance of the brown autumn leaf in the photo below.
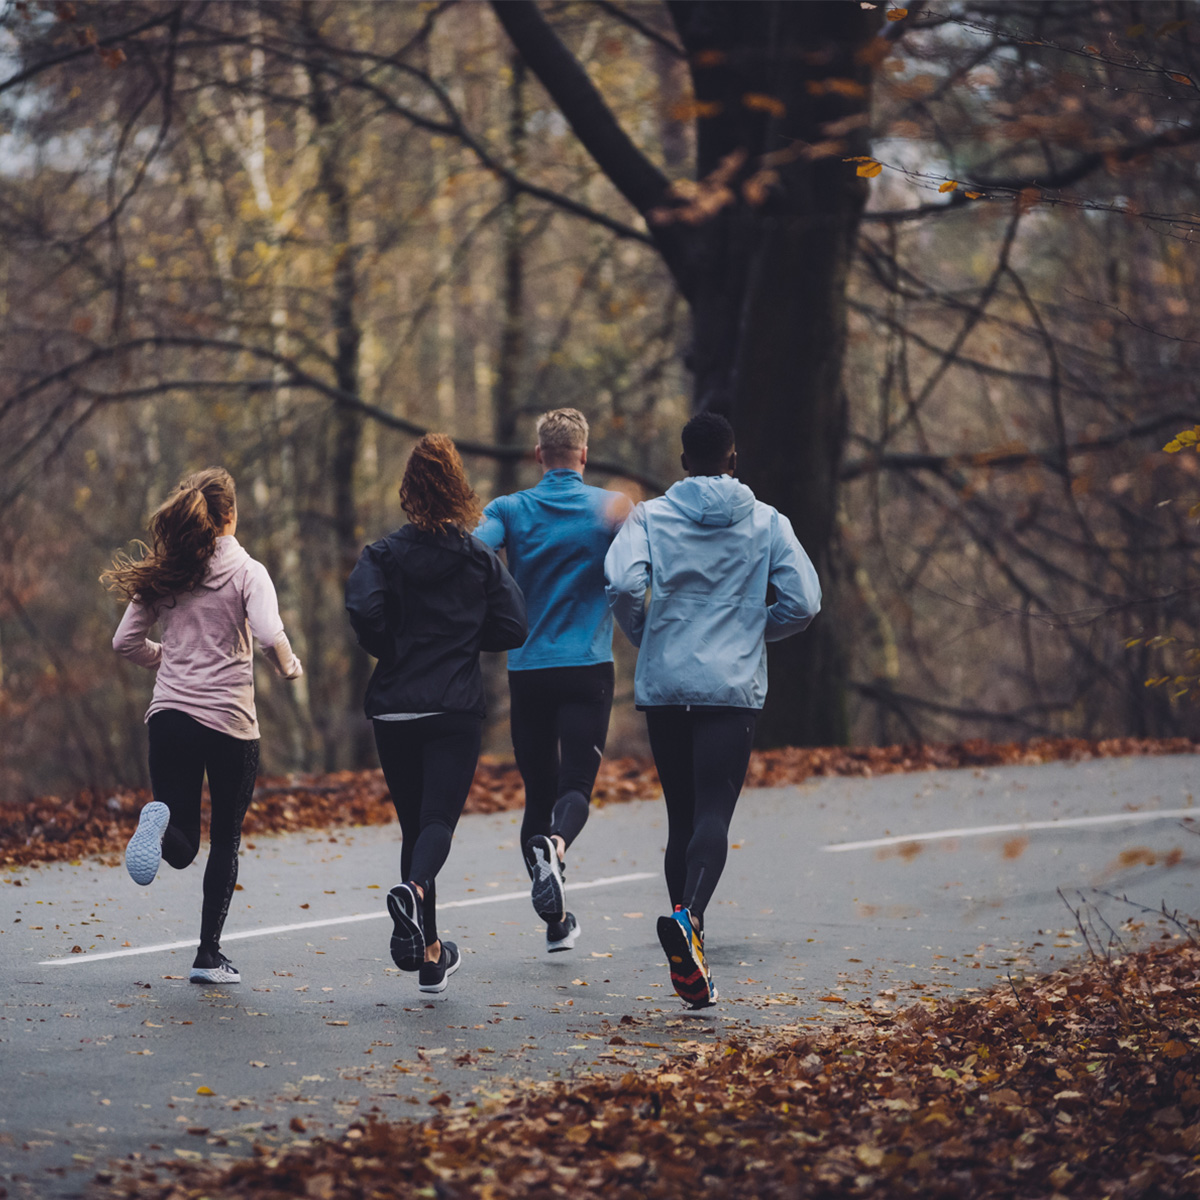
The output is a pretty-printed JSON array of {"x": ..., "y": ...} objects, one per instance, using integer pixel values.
[
  {"x": 942, "y": 1100},
  {"x": 100, "y": 821}
]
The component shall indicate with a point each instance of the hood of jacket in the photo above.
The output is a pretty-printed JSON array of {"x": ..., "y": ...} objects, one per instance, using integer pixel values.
[
  {"x": 712, "y": 499},
  {"x": 228, "y": 558},
  {"x": 428, "y": 557}
]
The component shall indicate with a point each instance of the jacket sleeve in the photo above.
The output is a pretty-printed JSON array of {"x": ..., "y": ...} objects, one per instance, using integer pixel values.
[
  {"x": 505, "y": 627},
  {"x": 366, "y": 593},
  {"x": 492, "y": 530},
  {"x": 797, "y": 589},
  {"x": 262, "y": 610},
  {"x": 627, "y": 569},
  {"x": 130, "y": 640}
]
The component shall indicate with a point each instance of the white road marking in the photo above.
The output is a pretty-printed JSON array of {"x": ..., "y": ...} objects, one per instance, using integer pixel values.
[
  {"x": 605, "y": 881},
  {"x": 1162, "y": 814}
]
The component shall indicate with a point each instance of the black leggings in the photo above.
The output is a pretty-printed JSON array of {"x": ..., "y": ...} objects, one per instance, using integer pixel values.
[
  {"x": 559, "y": 727},
  {"x": 428, "y": 763},
  {"x": 701, "y": 755},
  {"x": 182, "y": 750}
]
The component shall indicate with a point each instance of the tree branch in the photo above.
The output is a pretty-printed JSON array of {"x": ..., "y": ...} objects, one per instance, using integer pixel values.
[
  {"x": 631, "y": 172},
  {"x": 1052, "y": 457},
  {"x": 627, "y": 18},
  {"x": 296, "y": 377}
]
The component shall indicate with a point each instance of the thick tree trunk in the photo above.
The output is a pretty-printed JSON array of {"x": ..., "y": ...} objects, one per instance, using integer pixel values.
[
  {"x": 762, "y": 252},
  {"x": 769, "y": 294}
]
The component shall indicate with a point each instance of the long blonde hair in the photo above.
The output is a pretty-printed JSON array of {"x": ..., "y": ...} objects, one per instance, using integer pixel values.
[{"x": 183, "y": 531}]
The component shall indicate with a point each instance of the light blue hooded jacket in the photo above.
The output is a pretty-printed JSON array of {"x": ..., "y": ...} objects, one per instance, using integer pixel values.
[{"x": 707, "y": 550}]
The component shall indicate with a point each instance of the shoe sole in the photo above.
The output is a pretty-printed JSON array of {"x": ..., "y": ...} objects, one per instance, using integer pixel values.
[
  {"x": 408, "y": 942},
  {"x": 143, "y": 854},
  {"x": 213, "y": 975},
  {"x": 564, "y": 943},
  {"x": 431, "y": 989},
  {"x": 547, "y": 894},
  {"x": 687, "y": 978}
]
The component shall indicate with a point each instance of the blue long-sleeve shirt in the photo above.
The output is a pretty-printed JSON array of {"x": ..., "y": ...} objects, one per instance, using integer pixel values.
[
  {"x": 556, "y": 536},
  {"x": 707, "y": 551}
]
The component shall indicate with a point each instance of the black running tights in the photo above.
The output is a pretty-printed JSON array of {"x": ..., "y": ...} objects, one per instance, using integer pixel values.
[
  {"x": 701, "y": 755},
  {"x": 182, "y": 751},
  {"x": 559, "y": 727},
  {"x": 428, "y": 763}
]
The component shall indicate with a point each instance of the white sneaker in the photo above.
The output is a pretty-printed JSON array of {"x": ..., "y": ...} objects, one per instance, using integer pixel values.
[
  {"x": 144, "y": 851},
  {"x": 213, "y": 968}
]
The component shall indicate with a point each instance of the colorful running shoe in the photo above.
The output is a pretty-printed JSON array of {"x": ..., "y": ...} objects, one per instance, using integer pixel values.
[
  {"x": 546, "y": 871},
  {"x": 684, "y": 946},
  {"x": 211, "y": 966},
  {"x": 561, "y": 935},
  {"x": 144, "y": 851},
  {"x": 408, "y": 927},
  {"x": 434, "y": 974}
]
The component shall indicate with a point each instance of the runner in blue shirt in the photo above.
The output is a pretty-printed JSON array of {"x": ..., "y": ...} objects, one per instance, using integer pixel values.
[{"x": 561, "y": 680}]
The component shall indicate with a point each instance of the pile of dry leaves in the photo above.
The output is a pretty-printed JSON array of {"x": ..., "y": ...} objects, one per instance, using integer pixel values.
[
  {"x": 93, "y": 822},
  {"x": 1083, "y": 1083}
]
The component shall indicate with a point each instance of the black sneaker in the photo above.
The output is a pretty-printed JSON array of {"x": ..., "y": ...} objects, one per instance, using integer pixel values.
[
  {"x": 561, "y": 935},
  {"x": 211, "y": 966},
  {"x": 434, "y": 974},
  {"x": 546, "y": 871},
  {"x": 408, "y": 932}
]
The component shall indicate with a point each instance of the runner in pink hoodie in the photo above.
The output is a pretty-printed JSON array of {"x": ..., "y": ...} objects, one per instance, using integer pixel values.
[{"x": 207, "y": 596}]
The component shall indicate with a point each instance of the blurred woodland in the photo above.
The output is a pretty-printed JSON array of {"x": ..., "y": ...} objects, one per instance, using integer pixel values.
[{"x": 937, "y": 264}]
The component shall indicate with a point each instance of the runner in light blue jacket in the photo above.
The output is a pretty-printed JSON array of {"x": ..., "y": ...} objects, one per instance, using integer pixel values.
[{"x": 706, "y": 551}]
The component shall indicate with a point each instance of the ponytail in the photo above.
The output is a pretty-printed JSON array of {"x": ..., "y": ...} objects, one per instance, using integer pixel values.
[{"x": 184, "y": 531}]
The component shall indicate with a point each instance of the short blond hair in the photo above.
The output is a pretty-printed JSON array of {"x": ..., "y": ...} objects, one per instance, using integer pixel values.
[{"x": 562, "y": 429}]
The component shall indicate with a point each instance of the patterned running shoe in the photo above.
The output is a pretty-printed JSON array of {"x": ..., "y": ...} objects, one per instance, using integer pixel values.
[
  {"x": 144, "y": 851},
  {"x": 561, "y": 935},
  {"x": 684, "y": 946},
  {"x": 211, "y": 966},
  {"x": 408, "y": 927},
  {"x": 546, "y": 871}
]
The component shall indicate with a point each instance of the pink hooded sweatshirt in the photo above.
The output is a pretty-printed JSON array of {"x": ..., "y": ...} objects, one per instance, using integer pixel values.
[{"x": 205, "y": 661}]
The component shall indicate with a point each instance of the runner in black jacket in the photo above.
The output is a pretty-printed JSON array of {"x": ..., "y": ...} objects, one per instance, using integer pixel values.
[{"x": 425, "y": 600}]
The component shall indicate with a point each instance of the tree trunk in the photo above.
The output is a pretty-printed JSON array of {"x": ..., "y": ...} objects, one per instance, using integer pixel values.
[
  {"x": 769, "y": 305},
  {"x": 762, "y": 252},
  {"x": 345, "y": 729},
  {"x": 512, "y": 329}
]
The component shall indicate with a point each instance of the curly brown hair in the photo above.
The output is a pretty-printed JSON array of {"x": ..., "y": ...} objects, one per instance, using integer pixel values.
[
  {"x": 435, "y": 493},
  {"x": 184, "y": 531}
]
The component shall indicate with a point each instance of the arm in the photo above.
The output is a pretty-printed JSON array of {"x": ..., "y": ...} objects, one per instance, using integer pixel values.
[
  {"x": 262, "y": 610},
  {"x": 505, "y": 627},
  {"x": 130, "y": 640},
  {"x": 366, "y": 595},
  {"x": 797, "y": 589},
  {"x": 617, "y": 510},
  {"x": 492, "y": 529},
  {"x": 627, "y": 569}
]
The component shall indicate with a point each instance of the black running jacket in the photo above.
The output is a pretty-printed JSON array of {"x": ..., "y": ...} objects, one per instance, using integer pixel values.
[{"x": 425, "y": 605}]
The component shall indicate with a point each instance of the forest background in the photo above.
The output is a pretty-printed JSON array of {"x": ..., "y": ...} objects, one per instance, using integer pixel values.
[{"x": 936, "y": 263}]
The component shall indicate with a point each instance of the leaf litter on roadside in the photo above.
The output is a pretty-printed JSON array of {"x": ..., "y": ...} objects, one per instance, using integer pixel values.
[
  {"x": 1080, "y": 1083},
  {"x": 100, "y": 821}
]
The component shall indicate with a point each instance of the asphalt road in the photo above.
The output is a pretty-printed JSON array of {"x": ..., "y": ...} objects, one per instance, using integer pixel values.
[{"x": 837, "y": 894}]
